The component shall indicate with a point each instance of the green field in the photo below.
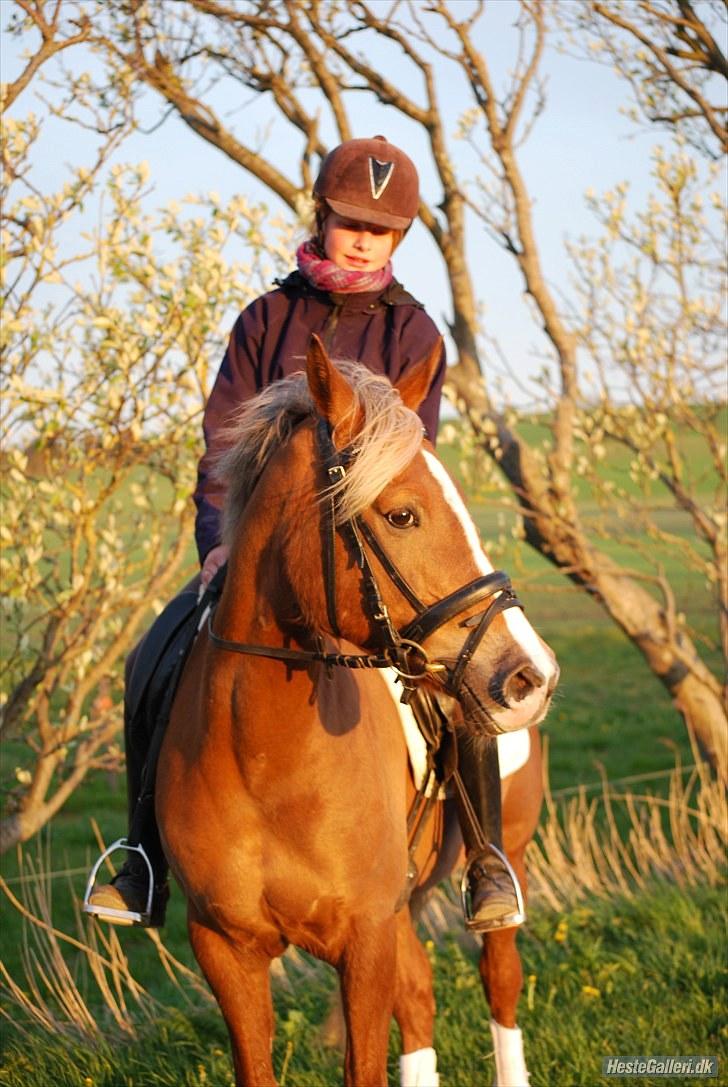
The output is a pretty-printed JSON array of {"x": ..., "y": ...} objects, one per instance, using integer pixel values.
[
  {"x": 638, "y": 976},
  {"x": 610, "y": 977}
]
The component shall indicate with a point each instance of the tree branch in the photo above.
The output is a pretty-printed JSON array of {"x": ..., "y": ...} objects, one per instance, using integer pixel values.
[{"x": 49, "y": 47}]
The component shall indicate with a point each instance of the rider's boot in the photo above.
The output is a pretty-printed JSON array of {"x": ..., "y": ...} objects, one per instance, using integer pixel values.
[
  {"x": 492, "y": 896},
  {"x": 128, "y": 891}
]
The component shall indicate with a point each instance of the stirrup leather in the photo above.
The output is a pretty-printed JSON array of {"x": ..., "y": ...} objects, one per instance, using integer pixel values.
[
  {"x": 510, "y": 920},
  {"x": 134, "y": 916}
]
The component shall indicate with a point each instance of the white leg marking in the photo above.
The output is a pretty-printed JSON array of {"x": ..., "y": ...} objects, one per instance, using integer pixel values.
[
  {"x": 419, "y": 1069},
  {"x": 510, "y": 1063}
]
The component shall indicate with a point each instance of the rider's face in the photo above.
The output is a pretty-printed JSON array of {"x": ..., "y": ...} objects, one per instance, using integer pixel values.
[{"x": 357, "y": 246}]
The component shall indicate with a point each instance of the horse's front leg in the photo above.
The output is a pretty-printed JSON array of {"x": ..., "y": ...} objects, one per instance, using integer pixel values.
[
  {"x": 500, "y": 969},
  {"x": 502, "y": 976},
  {"x": 240, "y": 981},
  {"x": 367, "y": 973},
  {"x": 414, "y": 1008}
]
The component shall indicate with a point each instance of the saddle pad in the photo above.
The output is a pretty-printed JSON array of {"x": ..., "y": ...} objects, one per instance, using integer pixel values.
[{"x": 513, "y": 747}]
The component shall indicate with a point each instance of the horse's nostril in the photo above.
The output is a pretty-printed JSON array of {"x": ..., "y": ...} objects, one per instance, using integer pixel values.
[{"x": 520, "y": 684}]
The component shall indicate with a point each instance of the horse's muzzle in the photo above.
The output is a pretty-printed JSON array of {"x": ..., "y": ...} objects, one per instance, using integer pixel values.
[{"x": 516, "y": 699}]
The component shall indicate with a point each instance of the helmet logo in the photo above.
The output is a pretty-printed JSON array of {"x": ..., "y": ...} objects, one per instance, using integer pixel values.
[{"x": 380, "y": 174}]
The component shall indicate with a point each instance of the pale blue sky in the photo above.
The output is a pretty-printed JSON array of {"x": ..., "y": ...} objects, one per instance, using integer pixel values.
[{"x": 580, "y": 141}]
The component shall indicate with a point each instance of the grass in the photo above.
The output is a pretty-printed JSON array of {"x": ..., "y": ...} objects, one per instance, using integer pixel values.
[
  {"x": 612, "y": 977},
  {"x": 608, "y": 977},
  {"x": 611, "y": 973}
]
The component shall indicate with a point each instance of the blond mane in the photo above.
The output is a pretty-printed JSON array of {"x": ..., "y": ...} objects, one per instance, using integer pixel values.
[{"x": 386, "y": 443}]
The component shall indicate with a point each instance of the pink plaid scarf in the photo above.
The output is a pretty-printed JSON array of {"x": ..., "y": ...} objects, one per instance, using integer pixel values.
[{"x": 327, "y": 276}]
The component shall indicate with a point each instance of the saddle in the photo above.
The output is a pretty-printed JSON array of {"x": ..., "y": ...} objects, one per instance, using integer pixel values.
[
  {"x": 154, "y": 678},
  {"x": 151, "y": 685},
  {"x": 168, "y": 638}
]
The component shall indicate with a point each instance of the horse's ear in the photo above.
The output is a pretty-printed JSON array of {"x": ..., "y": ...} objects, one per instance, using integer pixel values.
[
  {"x": 332, "y": 394},
  {"x": 414, "y": 385}
]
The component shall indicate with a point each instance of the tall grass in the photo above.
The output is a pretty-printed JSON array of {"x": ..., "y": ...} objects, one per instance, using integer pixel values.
[{"x": 617, "y": 843}]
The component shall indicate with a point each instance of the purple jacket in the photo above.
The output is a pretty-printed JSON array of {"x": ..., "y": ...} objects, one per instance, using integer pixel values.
[{"x": 387, "y": 331}]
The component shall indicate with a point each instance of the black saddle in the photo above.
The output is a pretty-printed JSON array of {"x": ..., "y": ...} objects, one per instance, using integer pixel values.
[
  {"x": 167, "y": 639},
  {"x": 152, "y": 683}
]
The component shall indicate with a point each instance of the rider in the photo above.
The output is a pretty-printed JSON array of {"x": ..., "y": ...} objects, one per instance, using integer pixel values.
[{"x": 366, "y": 197}]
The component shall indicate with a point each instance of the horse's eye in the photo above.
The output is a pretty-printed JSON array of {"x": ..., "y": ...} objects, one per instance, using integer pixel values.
[{"x": 402, "y": 518}]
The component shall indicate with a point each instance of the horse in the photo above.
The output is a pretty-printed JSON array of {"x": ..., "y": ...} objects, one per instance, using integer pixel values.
[{"x": 283, "y": 783}]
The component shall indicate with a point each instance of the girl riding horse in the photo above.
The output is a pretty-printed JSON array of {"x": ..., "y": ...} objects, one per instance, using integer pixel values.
[{"x": 366, "y": 197}]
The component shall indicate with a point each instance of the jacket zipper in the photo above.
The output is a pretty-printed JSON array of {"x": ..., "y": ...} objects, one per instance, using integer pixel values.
[{"x": 329, "y": 329}]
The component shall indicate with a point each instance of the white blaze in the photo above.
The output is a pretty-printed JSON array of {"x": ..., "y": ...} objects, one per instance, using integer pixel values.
[
  {"x": 456, "y": 504},
  {"x": 519, "y": 626}
]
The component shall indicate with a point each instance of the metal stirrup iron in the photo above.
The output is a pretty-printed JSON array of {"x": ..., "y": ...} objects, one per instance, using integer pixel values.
[
  {"x": 134, "y": 917},
  {"x": 510, "y": 920}
]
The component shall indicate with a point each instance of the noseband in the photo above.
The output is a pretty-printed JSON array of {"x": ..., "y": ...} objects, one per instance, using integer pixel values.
[{"x": 398, "y": 649}]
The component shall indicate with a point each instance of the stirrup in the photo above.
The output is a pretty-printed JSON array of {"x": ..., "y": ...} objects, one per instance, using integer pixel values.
[
  {"x": 510, "y": 920},
  {"x": 134, "y": 916}
]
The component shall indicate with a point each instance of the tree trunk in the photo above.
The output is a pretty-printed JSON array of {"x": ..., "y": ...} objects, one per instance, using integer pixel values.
[{"x": 669, "y": 652}]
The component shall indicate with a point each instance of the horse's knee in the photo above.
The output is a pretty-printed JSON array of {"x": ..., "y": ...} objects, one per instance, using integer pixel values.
[
  {"x": 416, "y": 990},
  {"x": 414, "y": 1006}
]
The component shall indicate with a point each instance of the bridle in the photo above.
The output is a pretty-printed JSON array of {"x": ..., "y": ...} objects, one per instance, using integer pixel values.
[{"x": 402, "y": 649}]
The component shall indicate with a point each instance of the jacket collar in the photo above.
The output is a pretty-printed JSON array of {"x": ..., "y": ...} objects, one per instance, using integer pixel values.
[{"x": 393, "y": 294}]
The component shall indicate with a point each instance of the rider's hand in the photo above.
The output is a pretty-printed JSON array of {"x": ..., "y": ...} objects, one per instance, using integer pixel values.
[{"x": 213, "y": 561}]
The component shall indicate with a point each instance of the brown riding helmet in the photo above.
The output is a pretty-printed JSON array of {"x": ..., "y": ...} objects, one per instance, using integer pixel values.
[{"x": 371, "y": 181}]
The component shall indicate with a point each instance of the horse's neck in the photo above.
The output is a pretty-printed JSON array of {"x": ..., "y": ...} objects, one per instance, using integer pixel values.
[
  {"x": 245, "y": 613},
  {"x": 257, "y": 604}
]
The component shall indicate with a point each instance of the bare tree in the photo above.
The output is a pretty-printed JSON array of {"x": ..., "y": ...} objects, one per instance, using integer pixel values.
[
  {"x": 660, "y": 328},
  {"x": 671, "y": 52},
  {"x": 297, "y": 54},
  {"x": 56, "y": 35}
]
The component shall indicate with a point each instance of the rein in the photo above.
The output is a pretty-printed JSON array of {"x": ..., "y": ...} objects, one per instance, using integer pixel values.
[
  {"x": 397, "y": 647},
  {"x": 308, "y": 656}
]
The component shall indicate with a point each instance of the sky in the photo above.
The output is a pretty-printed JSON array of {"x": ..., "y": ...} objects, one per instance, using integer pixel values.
[{"x": 581, "y": 141}]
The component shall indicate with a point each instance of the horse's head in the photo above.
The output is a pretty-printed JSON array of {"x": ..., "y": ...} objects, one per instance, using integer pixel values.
[
  {"x": 402, "y": 524},
  {"x": 344, "y": 522}
]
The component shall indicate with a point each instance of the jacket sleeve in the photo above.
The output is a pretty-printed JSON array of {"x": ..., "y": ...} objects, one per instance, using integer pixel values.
[
  {"x": 238, "y": 379},
  {"x": 429, "y": 409},
  {"x": 418, "y": 336}
]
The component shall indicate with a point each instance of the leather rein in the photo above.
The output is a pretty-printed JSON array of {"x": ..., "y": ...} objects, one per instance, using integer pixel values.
[{"x": 401, "y": 650}]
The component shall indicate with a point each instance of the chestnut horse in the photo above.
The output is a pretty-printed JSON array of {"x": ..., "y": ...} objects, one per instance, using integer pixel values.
[{"x": 282, "y": 784}]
